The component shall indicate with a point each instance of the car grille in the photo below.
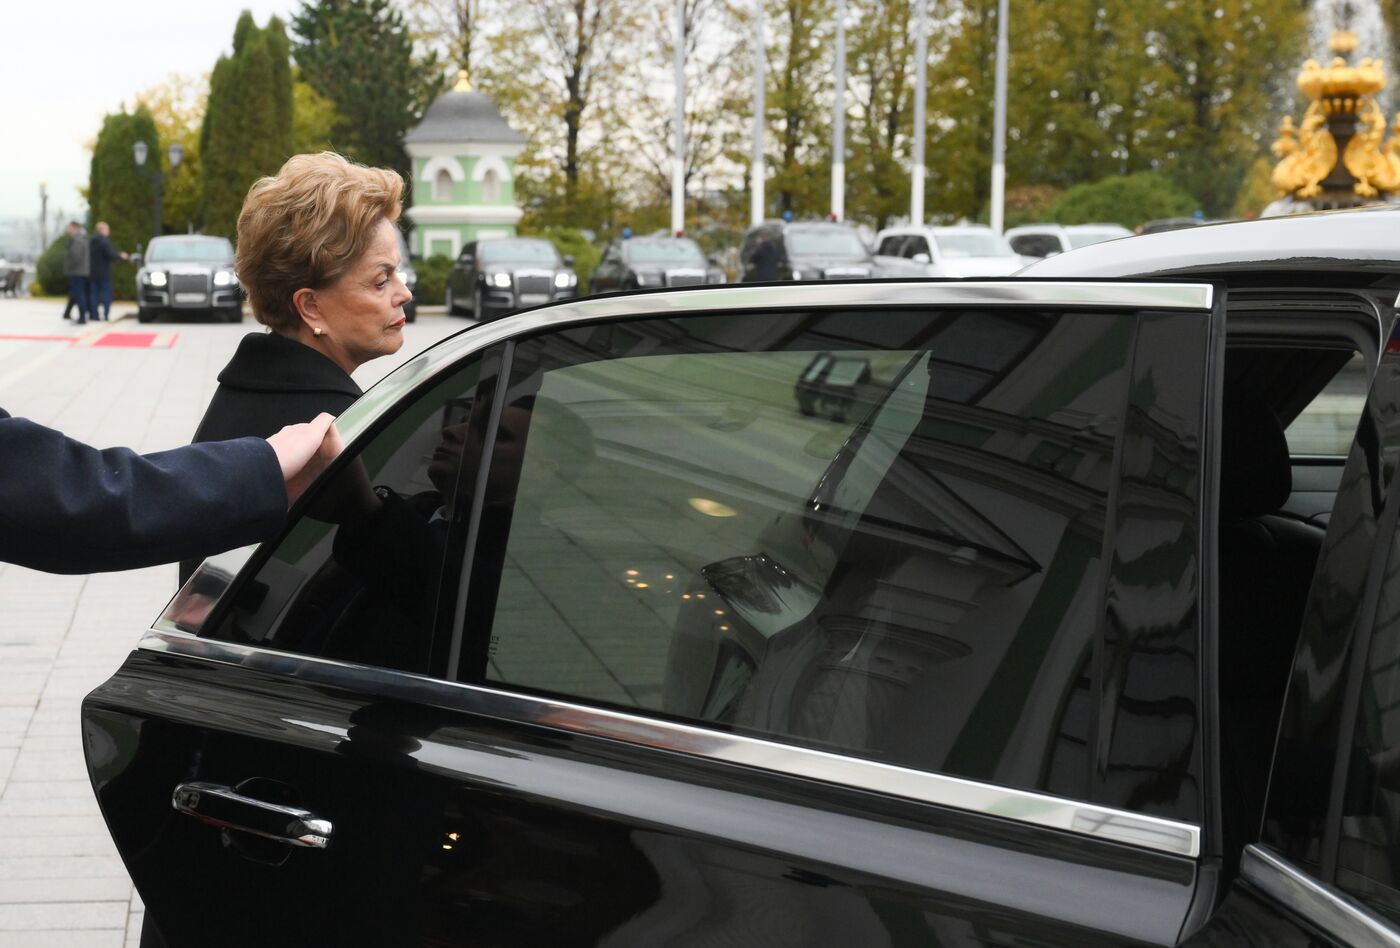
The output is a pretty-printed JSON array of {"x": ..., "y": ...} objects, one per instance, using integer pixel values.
[
  {"x": 685, "y": 277},
  {"x": 189, "y": 283},
  {"x": 533, "y": 284}
]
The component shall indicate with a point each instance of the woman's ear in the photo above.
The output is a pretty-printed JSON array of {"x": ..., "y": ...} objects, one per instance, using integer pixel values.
[{"x": 308, "y": 307}]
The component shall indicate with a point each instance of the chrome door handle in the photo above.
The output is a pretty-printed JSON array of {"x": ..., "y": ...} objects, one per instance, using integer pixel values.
[{"x": 225, "y": 807}]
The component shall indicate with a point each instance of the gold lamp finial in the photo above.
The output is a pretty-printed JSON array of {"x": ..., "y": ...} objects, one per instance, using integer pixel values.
[
  {"x": 1342, "y": 42},
  {"x": 463, "y": 83}
]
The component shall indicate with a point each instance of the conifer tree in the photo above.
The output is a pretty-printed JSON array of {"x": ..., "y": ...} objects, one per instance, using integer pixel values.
[
  {"x": 118, "y": 192},
  {"x": 247, "y": 131}
]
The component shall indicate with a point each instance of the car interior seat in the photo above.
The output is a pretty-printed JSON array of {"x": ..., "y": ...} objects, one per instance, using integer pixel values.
[{"x": 1266, "y": 564}]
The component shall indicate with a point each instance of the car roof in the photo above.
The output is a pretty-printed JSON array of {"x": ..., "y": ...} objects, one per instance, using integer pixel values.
[{"x": 1363, "y": 239}]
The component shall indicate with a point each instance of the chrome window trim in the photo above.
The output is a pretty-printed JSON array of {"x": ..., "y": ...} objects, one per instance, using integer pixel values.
[
  {"x": 1078, "y": 294},
  {"x": 1334, "y": 912},
  {"x": 1088, "y": 820}
]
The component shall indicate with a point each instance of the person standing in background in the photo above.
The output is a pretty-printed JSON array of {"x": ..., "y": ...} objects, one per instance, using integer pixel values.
[
  {"x": 101, "y": 255},
  {"x": 76, "y": 268}
]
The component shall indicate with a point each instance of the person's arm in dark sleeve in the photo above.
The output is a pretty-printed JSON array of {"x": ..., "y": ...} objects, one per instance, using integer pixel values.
[{"x": 66, "y": 507}]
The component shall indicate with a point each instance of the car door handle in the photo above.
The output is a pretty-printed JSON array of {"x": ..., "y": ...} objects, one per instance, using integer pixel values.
[{"x": 225, "y": 807}]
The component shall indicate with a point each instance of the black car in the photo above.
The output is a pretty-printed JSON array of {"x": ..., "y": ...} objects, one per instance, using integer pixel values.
[
  {"x": 810, "y": 250},
  {"x": 647, "y": 262},
  {"x": 491, "y": 278},
  {"x": 410, "y": 278},
  {"x": 186, "y": 275},
  {"x": 1015, "y": 648}
]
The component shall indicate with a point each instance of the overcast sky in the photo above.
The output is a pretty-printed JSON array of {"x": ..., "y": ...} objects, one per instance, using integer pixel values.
[{"x": 72, "y": 61}]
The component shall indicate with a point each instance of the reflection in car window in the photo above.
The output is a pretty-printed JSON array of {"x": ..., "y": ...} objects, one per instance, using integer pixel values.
[
  {"x": 356, "y": 576},
  {"x": 1326, "y": 426},
  {"x": 851, "y": 538},
  {"x": 201, "y": 249},
  {"x": 1368, "y": 855}
]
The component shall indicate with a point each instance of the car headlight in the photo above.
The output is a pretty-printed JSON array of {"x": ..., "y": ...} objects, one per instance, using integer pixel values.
[
  {"x": 564, "y": 279},
  {"x": 408, "y": 276},
  {"x": 501, "y": 279},
  {"x": 640, "y": 279},
  {"x": 156, "y": 278},
  {"x": 223, "y": 278},
  {"x": 797, "y": 274}
]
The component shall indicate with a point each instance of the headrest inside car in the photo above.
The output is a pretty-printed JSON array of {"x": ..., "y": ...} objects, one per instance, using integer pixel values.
[{"x": 1255, "y": 476}]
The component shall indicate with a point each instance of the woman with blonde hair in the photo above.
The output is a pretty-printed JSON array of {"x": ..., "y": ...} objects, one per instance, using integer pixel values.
[{"x": 318, "y": 257}]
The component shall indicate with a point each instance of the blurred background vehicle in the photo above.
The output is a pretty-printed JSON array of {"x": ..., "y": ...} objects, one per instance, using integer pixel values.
[
  {"x": 494, "y": 277},
  {"x": 409, "y": 275},
  {"x": 971, "y": 250},
  {"x": 808, "y": 250},
  {"x": 188, "y": 274},
  {"x": 639, "y": 262},
  {"x": 1046, "y": 240}
]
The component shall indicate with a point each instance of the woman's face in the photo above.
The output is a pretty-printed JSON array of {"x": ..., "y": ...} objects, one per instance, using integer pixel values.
[{"x": 361, "y": 314}]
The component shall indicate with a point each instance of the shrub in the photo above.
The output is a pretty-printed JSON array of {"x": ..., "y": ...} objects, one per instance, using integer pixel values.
[
  {"x": 49, "y": 269},
  {"x": 1128, "y": 200},
  {"x": 432, "y": 279}
]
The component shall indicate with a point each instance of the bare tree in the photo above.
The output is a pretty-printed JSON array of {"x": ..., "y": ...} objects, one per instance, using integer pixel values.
[{"x": 452, "y": 26}]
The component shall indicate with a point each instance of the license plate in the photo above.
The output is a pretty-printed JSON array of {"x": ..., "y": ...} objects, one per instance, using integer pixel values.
[
  {"x": 533, "y": 299},
  {"x": 190, "y": 297}
]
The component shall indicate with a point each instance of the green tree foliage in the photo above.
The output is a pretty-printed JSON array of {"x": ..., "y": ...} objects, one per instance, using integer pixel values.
[
  {"x": 1186, "y": 88},
  {"x": 177, "y": 106},
  {"x": 359, "y": 55},
  {"x": 314, "y": 119},
  {"x": 1257, "y": 191},
  {"x": 798, "y": 102},
  {"x": 880, "y": 58},
  {"x": 247, "y": 130},
  {"x": 118, "y": 192},
  {"x": 1129, "y": 200}
]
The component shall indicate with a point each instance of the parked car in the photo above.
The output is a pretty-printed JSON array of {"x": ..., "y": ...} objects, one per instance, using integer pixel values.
[
  {"x": 811, "y": 250},
  {"x": 188, "y": 274},
  {"x": 1045, "y": 240},
  {"x": 409, "y": 276},
  {"x": 499, "y": 276},
  {"x": 1008, "y": 642},
  {"x": 646, "y": 262},
  {"x": 970, "y": 250}
]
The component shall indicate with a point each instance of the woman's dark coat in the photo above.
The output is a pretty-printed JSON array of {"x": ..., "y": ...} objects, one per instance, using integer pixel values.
[{"x": 271, "y": 382}]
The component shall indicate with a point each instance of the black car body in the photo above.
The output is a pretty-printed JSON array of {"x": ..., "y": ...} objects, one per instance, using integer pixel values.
[
  {"x": 1016, "y": 648},
  {"x": 492, "y": 278},
  {"x": 811, "y": 250},
  {"x": 651, "y": 262},
  {"x": 188, "y": 274}
]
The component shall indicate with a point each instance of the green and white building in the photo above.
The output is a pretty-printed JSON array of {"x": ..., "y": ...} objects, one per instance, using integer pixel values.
[{"x": 463, "y": 156}]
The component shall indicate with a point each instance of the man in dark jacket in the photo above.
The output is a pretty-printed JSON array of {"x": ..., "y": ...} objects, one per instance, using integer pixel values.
[
  {"x": 76, "y": 268},
  {"x": 764, "y": 258},
  {"x": 101, "y": 256},
  {"x": 66, "y": 507}
]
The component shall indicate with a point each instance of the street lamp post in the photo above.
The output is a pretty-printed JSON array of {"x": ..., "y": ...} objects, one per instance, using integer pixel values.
[{"x": 140, "y": 151}]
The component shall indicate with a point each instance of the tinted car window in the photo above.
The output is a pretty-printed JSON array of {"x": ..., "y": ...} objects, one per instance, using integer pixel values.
[
  {"x": 356, "y": 576},
  {"x": 824, "y": 242},
  {"x": 518, "y": 251},
  {"x": 875, "y": 533},
  {"x": 167, "y": 250},
  {"x": 665, "y": 251},
  {"x": 1328, "y": 422},
  {"x": 889, "y": 247},
  {"x": 1036, "y": 245}
]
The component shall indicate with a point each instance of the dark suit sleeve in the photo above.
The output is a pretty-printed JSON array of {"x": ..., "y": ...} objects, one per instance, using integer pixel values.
[{"x": 69, "y": 508}]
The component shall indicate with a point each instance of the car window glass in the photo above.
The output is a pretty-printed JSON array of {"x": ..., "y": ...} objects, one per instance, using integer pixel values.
[
  {"x": 506, "y": 250},
  {"x": 1328, "y": 422},
  {"x": 915, "y": 245},
  {"x": 829, "y": 241},
  {"x": 197, "y": 249},
  {"x": 889, "y": 246},
  {"x": 356, "y": 576},
  {"x": 1368, "y": 854},
  {"x": 818, "y": 528}
]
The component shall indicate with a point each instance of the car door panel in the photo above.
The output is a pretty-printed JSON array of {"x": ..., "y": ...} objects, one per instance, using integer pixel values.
[
  {"x": 487, "y": 832},
  {"x": 510, "y": 816}
]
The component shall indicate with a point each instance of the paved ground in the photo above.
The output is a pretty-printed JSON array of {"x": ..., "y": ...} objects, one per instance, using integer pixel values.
[{"x": 61, "y": 881}]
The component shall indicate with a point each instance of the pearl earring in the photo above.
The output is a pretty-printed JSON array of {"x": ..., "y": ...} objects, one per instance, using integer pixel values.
[{"x": 318, "y": 331}]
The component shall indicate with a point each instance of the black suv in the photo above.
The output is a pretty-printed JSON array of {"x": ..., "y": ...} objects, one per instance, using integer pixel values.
[
  {"x": 491, "y": 278},
  {"x": 1067, "y": 617},
  {"x": 645, "y": 262},
  {"x": 186, "y": 275},
  {"x": 809, "y": 250}
]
